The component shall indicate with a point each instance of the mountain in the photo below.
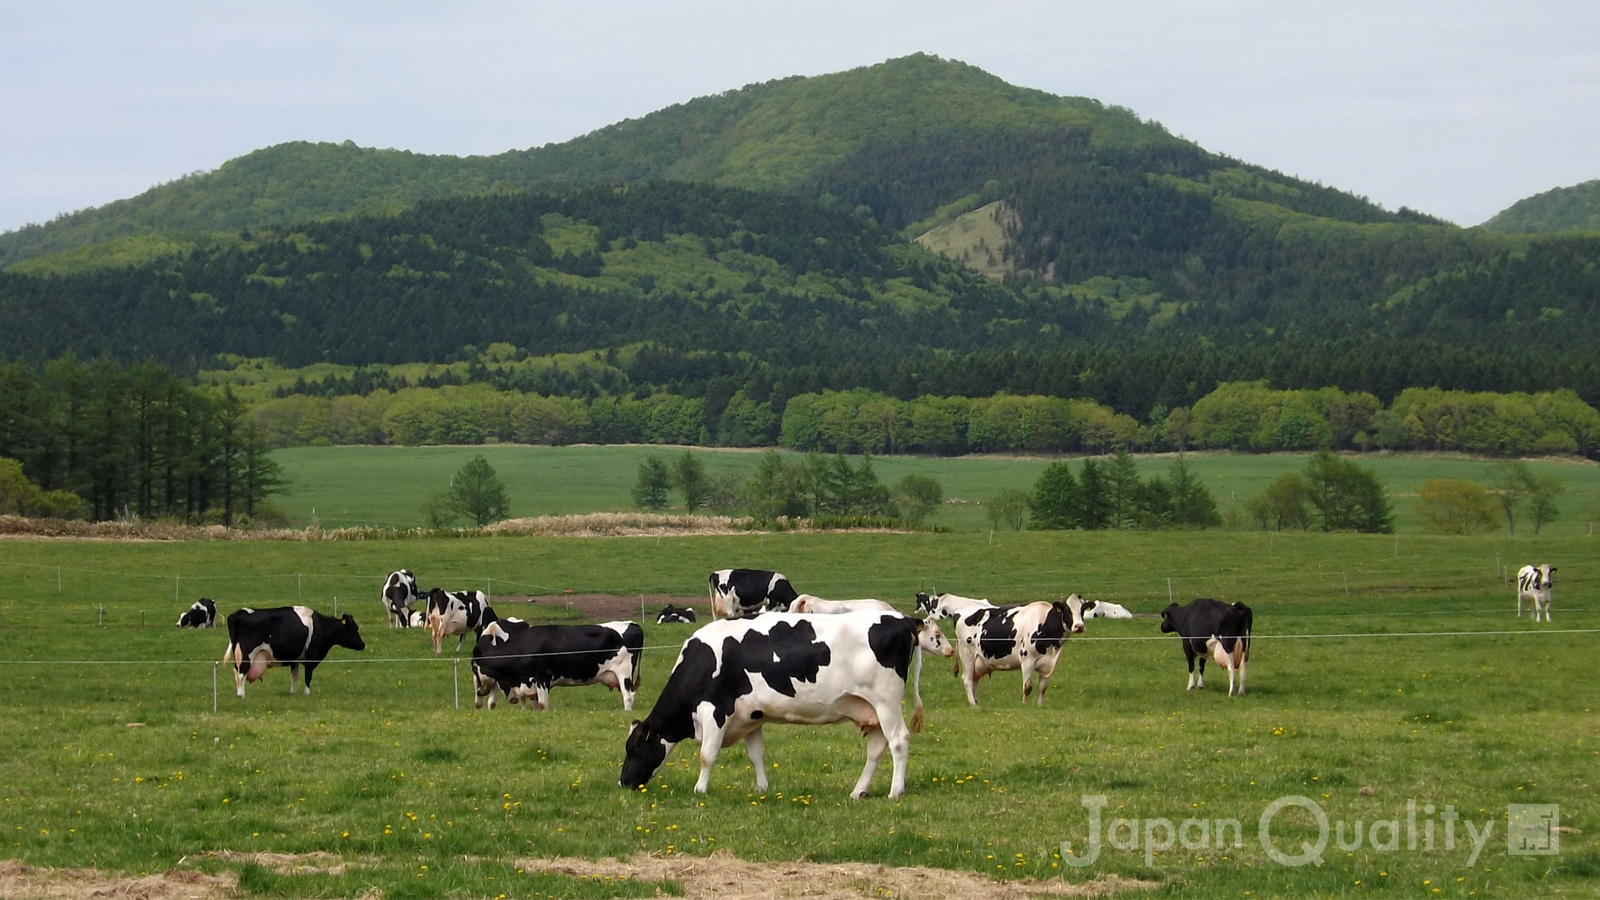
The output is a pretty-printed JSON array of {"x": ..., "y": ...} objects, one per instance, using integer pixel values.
[
  {"x": 1575, "y": 208},
  {"x": 909, "y": 138},
  {"x": 915, "y": 227}
]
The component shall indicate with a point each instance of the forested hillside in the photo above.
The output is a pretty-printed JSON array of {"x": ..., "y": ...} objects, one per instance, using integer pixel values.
[
  {"x": 1575, "y": 208},
  {"x": 729, "y": 290}
]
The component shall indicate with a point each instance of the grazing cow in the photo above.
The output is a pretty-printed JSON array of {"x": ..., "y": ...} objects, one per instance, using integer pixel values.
[
  {"x": 1028, "y": 636},
  {"x": 805, "y": 603},
  {"x": 457, "y": 612},
  {"x": 675, "y": 615},
  {"x": 522, "y": 660},
  {"x": 1533, "y": 582},
  {"x": 399, "y": 594},
  {"x": 1211, "y": 626},
  {"x": 1105, "y": 609},
  {"x": 742, "y": 593},
  {"x": 732, "y": 678},
  {"x": 201, "y": 614},
  {"x": 261, "y": 639}
]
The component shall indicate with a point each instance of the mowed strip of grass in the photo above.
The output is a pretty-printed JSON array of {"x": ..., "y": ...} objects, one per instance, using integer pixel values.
[
  {"x": 423, "y": 799},
  {"x": 386, "y": 486}
]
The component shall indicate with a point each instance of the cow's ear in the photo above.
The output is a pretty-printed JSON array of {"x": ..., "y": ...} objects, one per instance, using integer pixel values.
[{"x": 1089, "y": 604}]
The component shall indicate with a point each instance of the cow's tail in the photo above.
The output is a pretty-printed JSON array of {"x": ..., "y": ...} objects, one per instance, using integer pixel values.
[
  {"x": 636, "y": 650},
  {"x": 916, "y": 687}
]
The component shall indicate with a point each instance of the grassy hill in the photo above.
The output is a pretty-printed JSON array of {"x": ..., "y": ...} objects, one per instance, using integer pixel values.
[{"x": 1575, "y": 208}]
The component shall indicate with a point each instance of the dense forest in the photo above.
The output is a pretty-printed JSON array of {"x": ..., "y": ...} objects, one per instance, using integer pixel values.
[{"x": 133, "y": 441}]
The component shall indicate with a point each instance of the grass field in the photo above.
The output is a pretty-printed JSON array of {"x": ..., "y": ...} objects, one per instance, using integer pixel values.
[
  {"x": 1373, "y": 684},
  {"x": 385, "y": 486}
]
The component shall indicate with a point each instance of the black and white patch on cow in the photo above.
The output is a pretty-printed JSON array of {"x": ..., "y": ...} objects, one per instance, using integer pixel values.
[
  {"x": 675, "y": 615},
  {"x": 293, "y": 636},
  {"x": 200, "y": 614},
  {"x": 457, "y": 612},
  {"x": 525, "y": 661},
  {"x": 1533, "y": 583},
  {"x": 1211, "y": 627},
  {"x": 741, "y": 593},
  {"x": 733, "y": 677},
  {"x": 399, "y": 595},
  {"x": 1027, "y": 637}
]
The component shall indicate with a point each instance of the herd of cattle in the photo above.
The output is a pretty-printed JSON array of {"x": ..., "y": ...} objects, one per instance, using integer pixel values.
[{"x": 771, "y": 654}]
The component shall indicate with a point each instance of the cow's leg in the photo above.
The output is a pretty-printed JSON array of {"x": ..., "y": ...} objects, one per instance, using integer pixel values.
[
  {"x": 755, "y": 746},
  {"x": 233, "y": 657},
  {"x": 1244, "y": 662},
  {"x": 876, "y": 744},
  {"x": 710, "y": 746},
  {"x": 1188, "y": 656},
  {"x": 1044, "y": 668},
  {"x": 898, "y": 737},
  {"x": 628, "y": 688},
  {"x": 969, "y": 677},
  {"x": 1519, "y": 604},
  {"x": 541, "y": 696},
  {"x": 310, "y": 667}
]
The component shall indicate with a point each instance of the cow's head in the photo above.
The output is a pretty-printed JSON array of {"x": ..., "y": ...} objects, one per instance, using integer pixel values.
[
  {"x": 931, "y": 639},
  {"x": 646, "y": 752},
  {"x": 349, "y": 634},
  {"x": 1073, "y": 609},
  {"x": 926, "y": 605},
  {"x": 1169, "y": 618}
]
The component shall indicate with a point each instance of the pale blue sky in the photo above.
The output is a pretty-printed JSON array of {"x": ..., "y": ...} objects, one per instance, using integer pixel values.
[{"x": 1456, "y": 109}]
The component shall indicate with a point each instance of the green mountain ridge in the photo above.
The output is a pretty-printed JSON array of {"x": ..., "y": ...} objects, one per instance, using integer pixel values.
[{"x": 809, "y": 135}]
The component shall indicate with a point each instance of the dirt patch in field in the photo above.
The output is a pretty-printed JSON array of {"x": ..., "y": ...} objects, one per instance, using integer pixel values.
[
  {"x": 721, "y": 875},
  {"x": 726, "y": 877},
  {"x": 599, "y": 607},
  {"x": 24, "y": 882}
]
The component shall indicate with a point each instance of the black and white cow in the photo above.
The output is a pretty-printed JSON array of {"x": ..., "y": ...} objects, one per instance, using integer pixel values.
[
  {"x": 1028, "y": 636},
  {"x": 805, "y": 603},
  {"x": 1105, "y": 609},
  {"x": 457, "y": 612},
  {"x": 952, "y": 607},
  {"x": 733, "y": 677},
  {"x": 201, "y": 614},
  {"x": 399, "y": 595},
  {"x": 523, "y": 661},
  {"x": 1212, "y": 627},
  {"x": 1533, "y": 582},
  {"x": 675, "y": 615},
  {"x": 741, "y": 593},
  {"x": 261, "y": 639}
]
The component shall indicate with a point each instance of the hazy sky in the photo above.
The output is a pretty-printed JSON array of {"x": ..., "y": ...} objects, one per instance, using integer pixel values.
[{"x": 1456, "y": 109}]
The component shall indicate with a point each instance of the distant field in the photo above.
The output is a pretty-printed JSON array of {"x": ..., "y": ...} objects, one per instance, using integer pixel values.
[
  {"x": 385, "y": 486},
  {"x": 1386, "y": 671}
]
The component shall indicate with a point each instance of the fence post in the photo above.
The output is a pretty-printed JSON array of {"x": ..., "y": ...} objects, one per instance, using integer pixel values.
[
  {"x": 297, "y": 593},
  {"x": 455, "y": 678},
  {"x": 175, "y": 580},
  {"x": 58, "y": 573},
  {"x": 1169, "y": 590},
  {"x": 214, "y": 687},
  {"x": 102, "y": 620}
]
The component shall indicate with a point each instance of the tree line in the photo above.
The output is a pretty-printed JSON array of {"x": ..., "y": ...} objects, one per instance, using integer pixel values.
[
  {"x": 134, "y": 441},
  {"x": 1244, "y": 416}
]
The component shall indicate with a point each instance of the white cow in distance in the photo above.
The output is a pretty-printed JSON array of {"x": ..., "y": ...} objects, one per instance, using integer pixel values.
[
  {"x": 1105, "y": 609},
  {"x": 1533, "y": 582}
]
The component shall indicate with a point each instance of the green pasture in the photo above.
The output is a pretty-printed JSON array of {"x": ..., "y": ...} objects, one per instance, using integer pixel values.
[
  {"x": 1386, "y": 670},
  {"x": 385, "y": 486}
]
